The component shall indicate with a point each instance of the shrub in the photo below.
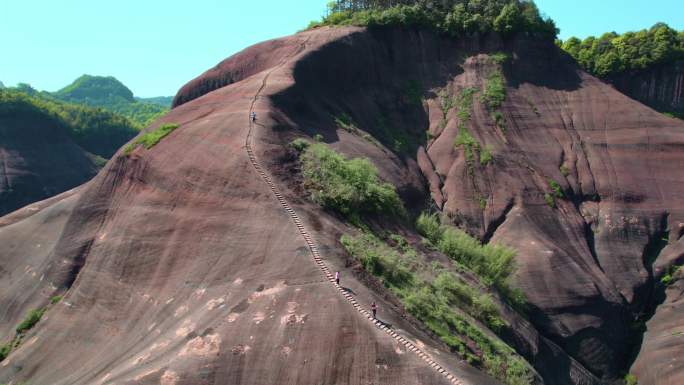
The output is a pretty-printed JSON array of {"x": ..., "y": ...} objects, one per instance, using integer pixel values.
[
  {"x": 495, "y": 91},
  {"x": 548, "y": 198},
  {"x": 379, "y": 259},
  {"x": 500, "y": 58},
  {"x": 493, "y": 264},
  {"x": 668, "y": 277},
  {"x": 556, "y": 189},
  {"x": 469, "y": 143},
  {"x": 564, "y": 170},
  {"x": 480, "y": 306},
  {"x": 630, "y": 379},
  {"x": 351, "y": 187},
  {"x": 429, "y": 226},
  {"x": 5, "y": 350},
  {"x": 31, "y": 320},
  {"x": 345, "y": 121},
  {"x": 300, "y": 144},
  {"x": 485, "y": 155},
  {"x": 151, "y": 138},
  {"x": 499, "y": 120},
  {"x": 54, "y": 300},
  {"x": 431, "y": 303}
]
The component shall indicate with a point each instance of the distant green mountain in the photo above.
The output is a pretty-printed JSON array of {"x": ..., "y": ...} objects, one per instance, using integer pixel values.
[
  {"x": 94, "y": 129},
  {"x": 2, "y": 85},
  {"x": 109, "y": 93},
  {"x": 164, "y": 101}
]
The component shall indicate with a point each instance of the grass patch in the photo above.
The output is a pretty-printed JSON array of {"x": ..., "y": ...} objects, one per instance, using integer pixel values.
[
  {"x": 674, "y": 115},
  {"x": 556, "y": 189},
  {"x": 493, "y": 264},
  {"x": 548, "y": 198},
  {"x": 380, "y": 260},
  {"x": 151, "y": 138},
  {"x": 447, "y": 102},
  {"x": 465, "y": 104},
  {"x": 486, "y": 155},
  {"x": 432, "y": 301},
  {"x": 469, "y": 143},
  {"x": 345, "y": 121},
  {"x": 495, "y": 91},
  {"x": 500, "y": 58},
  {"x": 464, "y": 138},
  {"x": 564, "y": 170},
  {"x": 499, "y": 120},
  {"x": 630, "y": 379},
  {"x": 31, "y": 320},
  {"x": 351, "y": 187},
  {"x": 482, "y": 202},
  {"x": 669, "y": 277},
  {"x": 5, "y": 350},
  {"x": 300, "y": 144}
]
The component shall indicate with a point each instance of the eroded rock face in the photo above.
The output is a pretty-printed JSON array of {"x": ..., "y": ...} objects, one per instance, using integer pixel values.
[
  {"x": 181, "y": 267},
  {"x": 661, "y": 87},
  {"x": 586, "y": 263}
]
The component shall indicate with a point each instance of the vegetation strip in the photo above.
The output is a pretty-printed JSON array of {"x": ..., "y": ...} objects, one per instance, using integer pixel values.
[
  {"x": 151, "y": 138},
  {"x": 324, "y": 269},
  {"x": 31, "y": 319}
]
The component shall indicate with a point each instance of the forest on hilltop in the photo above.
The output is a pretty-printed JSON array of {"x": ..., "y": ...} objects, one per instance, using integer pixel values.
[
  {"x": 452, "y": 17},
  {"x": 612, "y": 54},
  {"x": 112, "y": 95}
]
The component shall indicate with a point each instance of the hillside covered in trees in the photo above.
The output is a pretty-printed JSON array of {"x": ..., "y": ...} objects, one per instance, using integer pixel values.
[
  {"x": 109, "y": 93},
  {"x": 96, "y": 130},
  {"x": 612, "y": 54},
  {"x": 452, "y": 17}
]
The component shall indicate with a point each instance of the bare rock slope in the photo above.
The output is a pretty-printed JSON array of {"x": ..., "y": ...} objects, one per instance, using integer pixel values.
[{"x": 180, "y": 266}]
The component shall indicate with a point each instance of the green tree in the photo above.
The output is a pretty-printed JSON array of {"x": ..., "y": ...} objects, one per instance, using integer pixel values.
[{"x": 509, "y": 20}]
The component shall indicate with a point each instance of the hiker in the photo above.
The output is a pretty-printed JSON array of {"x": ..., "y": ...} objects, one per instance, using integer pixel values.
[
  {"x": 253, "y": 116},
  {"x": 337, "y": 278},
  {"x": 374, "y": 308}
]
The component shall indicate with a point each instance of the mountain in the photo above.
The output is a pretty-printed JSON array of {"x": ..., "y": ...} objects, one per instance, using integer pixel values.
[
  {"x": 2, "y": 85},
  {"x": 514, "y": 219},
  {"x": 112, "y": 95},
  {"x": 38, "y": 156},
  {"x": 647, "y": 65},
  {"x": 50, "y": 146}
]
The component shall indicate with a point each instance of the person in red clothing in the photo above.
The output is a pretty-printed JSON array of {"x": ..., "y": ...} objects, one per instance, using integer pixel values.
[{"x": 374, "y": 308}]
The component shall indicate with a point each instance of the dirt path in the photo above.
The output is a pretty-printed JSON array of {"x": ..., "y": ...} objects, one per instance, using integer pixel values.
[{"x": 316, "y": 255}]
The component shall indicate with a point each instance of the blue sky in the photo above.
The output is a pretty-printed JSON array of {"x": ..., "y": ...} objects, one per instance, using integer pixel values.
[{"x": 154, "y": 47}]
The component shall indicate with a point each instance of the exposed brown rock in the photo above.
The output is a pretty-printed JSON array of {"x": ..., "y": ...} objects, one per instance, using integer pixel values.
[
  {"x": 181, "y": 267},
  {"x": 661, "y": 86}
]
